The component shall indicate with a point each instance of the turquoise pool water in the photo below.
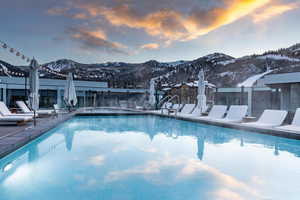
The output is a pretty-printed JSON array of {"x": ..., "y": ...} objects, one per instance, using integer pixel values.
[{"x": 149, "y": 158}]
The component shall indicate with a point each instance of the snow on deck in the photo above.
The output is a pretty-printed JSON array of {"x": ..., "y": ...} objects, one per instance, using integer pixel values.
[{"x": 252, "y": 80}]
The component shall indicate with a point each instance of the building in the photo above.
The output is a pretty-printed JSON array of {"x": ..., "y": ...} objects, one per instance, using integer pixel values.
[
  {"x": 289, "y": 86},
  {"x": 252, "y": 92},
  {"x": 187, "y": 92},
  {"x": 13, "y": 88}
]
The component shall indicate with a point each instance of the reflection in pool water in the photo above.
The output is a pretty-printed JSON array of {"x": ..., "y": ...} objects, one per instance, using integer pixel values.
[{"x": 148, "y": 157}]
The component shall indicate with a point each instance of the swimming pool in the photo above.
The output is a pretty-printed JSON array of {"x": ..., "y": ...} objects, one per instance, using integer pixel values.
[{"x": 151, "y": 157}]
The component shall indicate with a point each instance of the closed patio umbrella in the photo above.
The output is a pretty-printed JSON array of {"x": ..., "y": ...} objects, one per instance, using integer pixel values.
[
  {"x": 34, "y": 83},
  {"x": 152, "y": 99},
  {"x": 70, "y": 97},
  {"x": 201, "y": 92}
]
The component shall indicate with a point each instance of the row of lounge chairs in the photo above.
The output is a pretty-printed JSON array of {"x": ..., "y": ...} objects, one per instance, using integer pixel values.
[
  {"x": 26, "y": 115},
  {"x": 236, "y": 114},
  {"x": 24, "y": 108},
  {"x": 7, "y": 117}
]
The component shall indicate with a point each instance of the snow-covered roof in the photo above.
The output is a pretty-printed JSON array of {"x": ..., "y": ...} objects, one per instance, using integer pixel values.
[
  {"x": 210, "y": 85},
  {"x": 252, "y": 80}
]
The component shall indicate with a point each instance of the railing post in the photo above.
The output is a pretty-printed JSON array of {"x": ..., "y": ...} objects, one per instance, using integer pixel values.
[{"x": 242, "y": 95}]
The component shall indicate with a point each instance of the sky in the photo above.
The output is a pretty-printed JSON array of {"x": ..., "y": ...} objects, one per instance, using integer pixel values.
[{"x": 96, "y": 31}]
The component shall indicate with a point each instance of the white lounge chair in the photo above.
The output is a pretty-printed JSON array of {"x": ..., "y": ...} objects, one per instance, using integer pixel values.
[
  {"x": 4, "y": 111},
  {"x": 295, "y": 126},
  {"x": 269, "y": 118},
  {"x": 187, "y": 109},
  {"x": 196, "y": 112},
  {"x": 236, "y": 113},
  {"x": 216, "y": 112},
  {"x": 8, "y": 120},
  {"x": 26, "y": 110},
  {"x": 58, "y": 110}
]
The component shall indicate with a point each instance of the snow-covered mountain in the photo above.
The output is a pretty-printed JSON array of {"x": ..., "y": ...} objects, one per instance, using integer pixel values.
[{"x": 220, "y": 69}]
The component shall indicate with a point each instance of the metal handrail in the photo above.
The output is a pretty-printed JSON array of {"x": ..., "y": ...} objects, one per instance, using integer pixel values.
[
  {"x": 160, "y": 103},
  {"x": 173, "y": 97},
  {"x": 170, "y": 100}
]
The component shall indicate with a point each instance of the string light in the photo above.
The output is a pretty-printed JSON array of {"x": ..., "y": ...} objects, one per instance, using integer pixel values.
[
  {"x": 26, "y": 59},
  {"x": 14, "y": 51}
]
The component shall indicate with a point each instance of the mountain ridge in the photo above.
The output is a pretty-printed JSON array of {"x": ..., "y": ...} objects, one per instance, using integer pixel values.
[{"x": 220, "y": 69}]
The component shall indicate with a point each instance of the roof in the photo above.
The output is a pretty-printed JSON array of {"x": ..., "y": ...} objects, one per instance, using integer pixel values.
[
  {"x": 249, "y": 82},
  {"x": 194, "y": 84},
  {"x": 282, "y": 78}
]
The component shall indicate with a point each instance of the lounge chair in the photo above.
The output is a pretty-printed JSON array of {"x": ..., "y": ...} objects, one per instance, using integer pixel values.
[
  {"x": 58, "y": 110},
  {"x": 187, "y": 109},
  {"x": 236, "y": 113},
  {"x": 9, "y": 120},
  {"x": 216, "y": 112},
  {"x": 269, "y": 118},
  {"x": 295, "y": 126},
  {"x": 26, "y": 110},
  {"x": 196, "y": 112},
  {"x": 4, "y": 111}
]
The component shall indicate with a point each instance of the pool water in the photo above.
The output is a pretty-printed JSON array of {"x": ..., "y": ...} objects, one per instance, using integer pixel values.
[{"x": 149, "y": 158}]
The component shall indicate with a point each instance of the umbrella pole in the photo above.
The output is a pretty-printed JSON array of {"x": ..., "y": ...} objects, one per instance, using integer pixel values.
[{"x": 34, "y": 118}]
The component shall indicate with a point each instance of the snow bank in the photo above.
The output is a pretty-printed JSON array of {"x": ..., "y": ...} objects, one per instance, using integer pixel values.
[
  {"x": 176, "y": 63},
  {"x": 226, "y": 74},
  {"x": 279, "y": 57},
  {"x": 226, "y": 62}
]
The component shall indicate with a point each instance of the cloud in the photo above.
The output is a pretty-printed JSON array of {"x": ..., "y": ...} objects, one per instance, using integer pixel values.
[
  {"x": 171, "y": 24},
  {"x": 95, "y": 40},
  {"x": 150, "y": 46},
  {"x": 273, "y": 11},
  {"x": 225, "y": 194},
  {"x": 97, "y": 160},
  {"x": 222, "y": 186}
]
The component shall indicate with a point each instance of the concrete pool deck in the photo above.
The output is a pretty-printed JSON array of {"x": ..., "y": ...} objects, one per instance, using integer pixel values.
[
  {"x": 14, "y": 137},
  {"x": 238, "y": 126}
]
